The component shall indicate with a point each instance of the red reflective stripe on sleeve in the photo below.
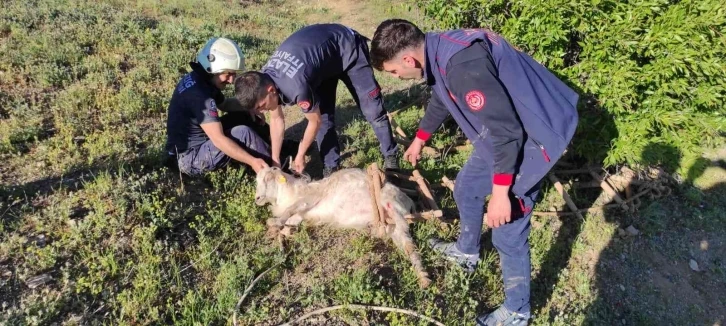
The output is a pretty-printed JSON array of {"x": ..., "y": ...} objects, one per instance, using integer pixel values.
[
  {"x": 503, "y": 179},
  {"x": 423, "y": 135}
]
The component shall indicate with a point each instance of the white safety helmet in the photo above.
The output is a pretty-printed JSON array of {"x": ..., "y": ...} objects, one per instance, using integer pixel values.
[{"x": 221, "y": 55}]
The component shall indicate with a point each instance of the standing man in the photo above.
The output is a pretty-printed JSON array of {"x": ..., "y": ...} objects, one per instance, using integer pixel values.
[
  {"x": 305, "y": 70},
  {"x": 198, "y": 140},
  {"x": 518, "y": 116}
]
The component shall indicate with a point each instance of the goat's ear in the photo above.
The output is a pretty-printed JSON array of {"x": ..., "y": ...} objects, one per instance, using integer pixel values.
[{"x": 269, "y": 176}]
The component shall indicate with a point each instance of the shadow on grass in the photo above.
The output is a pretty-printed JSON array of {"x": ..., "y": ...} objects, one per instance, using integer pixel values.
[{"x": 647, "y": 279}]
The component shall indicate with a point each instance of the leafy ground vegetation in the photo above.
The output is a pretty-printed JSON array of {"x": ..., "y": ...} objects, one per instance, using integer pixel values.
[{"x": 94, "y": 230}]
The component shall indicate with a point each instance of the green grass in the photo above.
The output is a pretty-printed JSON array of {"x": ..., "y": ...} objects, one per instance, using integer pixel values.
[{"x": 86, "y": 201}]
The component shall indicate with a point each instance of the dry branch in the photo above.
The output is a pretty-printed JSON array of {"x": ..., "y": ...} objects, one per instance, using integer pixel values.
[
  {"x": 561, "y": 190},
  {"x": 396, "y": 127},
  {"x": 428, "y": 197},
  {"x": 374, "y": 186},
  {"x": 608, "y": 189},
  {"x": 249, "y": 288},
  {"x": 356, "y": 306}
]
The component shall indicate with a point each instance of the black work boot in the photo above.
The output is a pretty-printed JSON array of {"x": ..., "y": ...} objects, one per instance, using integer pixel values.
[
  {"x": 391, "y": 163},
  {"x": 451, "y": 252}
]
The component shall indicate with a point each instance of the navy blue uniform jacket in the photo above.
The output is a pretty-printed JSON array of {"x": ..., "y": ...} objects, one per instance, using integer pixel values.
[{"x": 514, "y": 111}]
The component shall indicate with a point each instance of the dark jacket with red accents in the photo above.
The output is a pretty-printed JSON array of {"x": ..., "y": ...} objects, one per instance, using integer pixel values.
[
  {"x": 307, "y": 58},
  {"x": 508, "y": 105}
]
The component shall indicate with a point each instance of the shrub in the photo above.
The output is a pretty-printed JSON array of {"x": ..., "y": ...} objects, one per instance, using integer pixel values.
[{"x": 649, "y": 72}]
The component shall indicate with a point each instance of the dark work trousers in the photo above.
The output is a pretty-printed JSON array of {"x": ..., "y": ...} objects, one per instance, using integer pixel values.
[
  {"x": 473, "y": 185},
  {"x": 366, "y": 92},
  {"x": 252, "y": 135}
]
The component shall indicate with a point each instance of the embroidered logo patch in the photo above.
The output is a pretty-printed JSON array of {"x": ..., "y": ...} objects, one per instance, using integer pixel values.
[
  {"x": 374, "y": 93},
  {"x": 212, "y": 108},
  {"x": 476, "y": 100},
  {"x": 305, "y": 105}
]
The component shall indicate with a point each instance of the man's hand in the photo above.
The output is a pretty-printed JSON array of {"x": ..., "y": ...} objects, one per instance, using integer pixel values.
[
  {"x": 499, "y": 210},
  {"x": 229, "y": 147},
  {"x": 413, "y": 153},
  {"x": 299, "y": 164},
  {"x": 258, "y": 164}
]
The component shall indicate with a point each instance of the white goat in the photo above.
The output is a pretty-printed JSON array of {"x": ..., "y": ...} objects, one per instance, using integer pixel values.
[{"x": 342, "y": 200}]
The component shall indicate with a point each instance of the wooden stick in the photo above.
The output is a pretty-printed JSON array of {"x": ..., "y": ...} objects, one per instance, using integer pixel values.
[
  {"x": 448, "y": 183},
  {"x": 584, "y": 210},
  {"x": 589, "y": 184},
  {"x": 592, "y": 209},
  {"x": 428, "y": 197},
  {"x": 608, "y": 189},
  {"x": 561, "y": 190},
  {"x": 374, "y": 186},
  {"x": 396, "y": 127}
]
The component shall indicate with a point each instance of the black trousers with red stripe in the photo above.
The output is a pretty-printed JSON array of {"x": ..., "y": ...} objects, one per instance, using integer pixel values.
[{"x": 366, "y": 92}]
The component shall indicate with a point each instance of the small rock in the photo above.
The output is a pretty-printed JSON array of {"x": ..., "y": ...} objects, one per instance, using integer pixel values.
[
  {"x": 694, "y": 265},
  {"x": 622, "y": 288},
  {"x": 704, "y": 245},
  {"x": 622, "y": 232},
  {"x": 40, "y": 241},
  {"x": 7, "y": 273},
  {"x": 37, "y": 281},
  {"x": 75, "y": 319},
  {"x": 632, "y": 231}
]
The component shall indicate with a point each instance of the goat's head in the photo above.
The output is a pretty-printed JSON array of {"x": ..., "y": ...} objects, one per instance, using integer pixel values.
[{"x": 269, "y": 181}]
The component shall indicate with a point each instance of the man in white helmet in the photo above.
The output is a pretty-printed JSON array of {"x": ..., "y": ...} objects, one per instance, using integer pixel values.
[{"x": 198, "y": 139}]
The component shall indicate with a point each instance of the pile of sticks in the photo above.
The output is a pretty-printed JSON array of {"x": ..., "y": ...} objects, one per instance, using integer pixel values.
[
  {"x": 617, "y": 189},
  {"x": 414, "y": 185}
]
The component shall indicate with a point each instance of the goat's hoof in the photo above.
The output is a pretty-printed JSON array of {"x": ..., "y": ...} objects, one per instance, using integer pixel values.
[
  {"x": 274, "y": 222},
  {"x": 272, "y": 232},
  {"x": 286, "y": 231},
  {"x": 424, "y": 282}
]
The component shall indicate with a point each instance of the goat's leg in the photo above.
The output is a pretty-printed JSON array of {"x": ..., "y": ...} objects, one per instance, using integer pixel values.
[
  {"x": 294, "y": 220},
  {"x": 293, "y": 215},
  {"x": 299, "y": 207},
  {"x": 402, "y": 238}
]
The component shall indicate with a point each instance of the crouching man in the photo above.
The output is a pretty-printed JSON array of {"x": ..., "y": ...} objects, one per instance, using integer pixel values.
[
  {"x": 198, "y": 139},
  {"x": 305, "y": 70},
  {"x": 519, "y": 118}
]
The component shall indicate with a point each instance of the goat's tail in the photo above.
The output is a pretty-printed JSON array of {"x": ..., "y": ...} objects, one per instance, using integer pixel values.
[{"x": 402, "y": 238}]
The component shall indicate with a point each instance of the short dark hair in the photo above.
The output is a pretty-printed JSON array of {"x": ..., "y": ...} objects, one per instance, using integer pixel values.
[
  {"x": 393, "y": 36},
  {"x": 250, "y": 87}
]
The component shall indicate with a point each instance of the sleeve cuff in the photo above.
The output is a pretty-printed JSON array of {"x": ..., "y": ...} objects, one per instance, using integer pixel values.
[
  {"x": 423, "y": 135},
  {"x": 503, "y": 179}
]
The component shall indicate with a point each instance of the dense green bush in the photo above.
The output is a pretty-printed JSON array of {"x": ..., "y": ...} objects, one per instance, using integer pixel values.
[{"x": 650, "y": 72}]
